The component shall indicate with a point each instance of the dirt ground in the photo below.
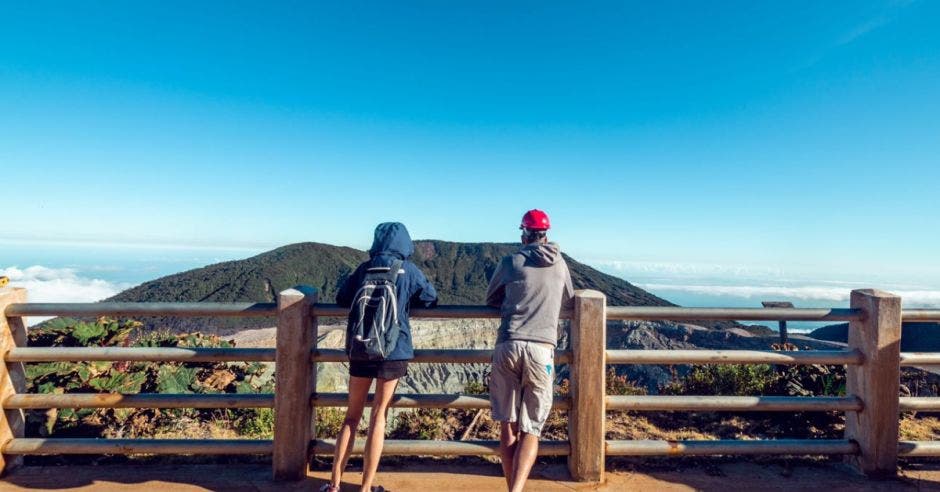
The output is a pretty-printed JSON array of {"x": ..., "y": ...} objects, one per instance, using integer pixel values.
[{"x": 457, "y": 476}]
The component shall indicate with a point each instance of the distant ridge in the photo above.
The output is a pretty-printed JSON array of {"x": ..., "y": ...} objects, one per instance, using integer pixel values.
[
  {"x": 915, "y": 336},
  {"x": 460, "y": 271}
]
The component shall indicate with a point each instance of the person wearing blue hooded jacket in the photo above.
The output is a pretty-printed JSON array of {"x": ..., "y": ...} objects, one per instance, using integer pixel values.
[{"x": 392, "y": 242}]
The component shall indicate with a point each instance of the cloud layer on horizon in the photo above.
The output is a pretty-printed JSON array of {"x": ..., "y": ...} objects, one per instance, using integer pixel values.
[
  {"x": 44, "y": 284},
  {"x": 911, "y": 298}
]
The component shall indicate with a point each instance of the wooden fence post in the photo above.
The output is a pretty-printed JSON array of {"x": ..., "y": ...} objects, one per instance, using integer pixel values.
[
  {"x": 876, "y": 382},
  {"x": 588, "y": 413},
  {"x": 12, "y": 376},
  {"x": 295, "y": 382}
]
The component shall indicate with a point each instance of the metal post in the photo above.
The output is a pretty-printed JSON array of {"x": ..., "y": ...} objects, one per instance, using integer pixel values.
[
  {"x": 12, "y": 376},
  {"x": 876, "y": 382},
  {"x": 587, "y": 416},
  {"x": 295, "y": 382},
  {"x": 782, "y": 324}
]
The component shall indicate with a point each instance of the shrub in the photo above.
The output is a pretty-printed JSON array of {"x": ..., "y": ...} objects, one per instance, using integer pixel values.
[
  {"x": 329, "y": 420},
  {"x": 621, "y": 385},
  {"x": 258, "y": 423},
  {"x": 423, "y": 423},
  {"x": 135, "y": 377}
]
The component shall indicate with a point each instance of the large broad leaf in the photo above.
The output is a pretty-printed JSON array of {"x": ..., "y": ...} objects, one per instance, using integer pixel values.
[
  {"x": 88, "y": 333},
  {"x": 176, "y": 379},
  {"x": 245, "y": 387},
  {"x": 119, "y": 382}
]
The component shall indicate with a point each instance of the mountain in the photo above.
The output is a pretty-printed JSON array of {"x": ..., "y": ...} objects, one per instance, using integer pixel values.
[
  {"x": 915, "y": 337},
  {"x": 460, "y": 271}
]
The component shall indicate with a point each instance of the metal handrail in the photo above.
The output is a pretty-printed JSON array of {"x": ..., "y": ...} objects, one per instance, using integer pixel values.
[
  {"x": 438, "y": 400},
  {"x": 710, "y": 403},
  {"x": 909, "y": 359},
  {"x": 181, "y": 309},
  {"x": 833, "y": 357},
  {"x": 238, "y": 309},
  {"x": 435, "y": 356},
  {"x": 138, "y": 400},
  {"x": 920, "y": 315},
  {"x": 38, "y": 446},
  {"x": 731, "y": 314},
  {"x": 139, "y": 354},
  {"x": 443, "y": 311},
  {"x": 919, "y": 403},
  {"x": 732, "y": 447},
  {"x": 395, "y": 447}
]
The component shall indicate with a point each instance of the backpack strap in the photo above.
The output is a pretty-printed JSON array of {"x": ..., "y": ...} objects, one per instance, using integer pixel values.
[
  {"x": 389, "y": 273},
  {"x": 395, "y": 270}
]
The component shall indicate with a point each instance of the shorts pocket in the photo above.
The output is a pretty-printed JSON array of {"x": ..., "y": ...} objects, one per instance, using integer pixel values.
[{"x": 541, "y": 363}]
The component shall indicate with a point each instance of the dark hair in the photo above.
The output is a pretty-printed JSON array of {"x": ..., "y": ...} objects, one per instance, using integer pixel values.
[{"x": 533, "y": 235}]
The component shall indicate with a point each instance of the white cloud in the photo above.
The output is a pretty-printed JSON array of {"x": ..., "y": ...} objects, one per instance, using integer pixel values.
[
  {"x": 911, "y": 298},
  {"x": 685, "y": 269},
  {"x": 44, "y": 284}
]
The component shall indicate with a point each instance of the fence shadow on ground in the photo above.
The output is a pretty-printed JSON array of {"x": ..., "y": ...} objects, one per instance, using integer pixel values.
[{"x": 464, "y": 474}]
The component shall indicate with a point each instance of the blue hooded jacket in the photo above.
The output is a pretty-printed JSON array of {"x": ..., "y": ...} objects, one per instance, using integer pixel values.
[{"x": 393, "y": 242}]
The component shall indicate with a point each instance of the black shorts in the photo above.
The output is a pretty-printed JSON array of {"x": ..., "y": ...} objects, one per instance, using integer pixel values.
[{"x": 383, "y": 369}]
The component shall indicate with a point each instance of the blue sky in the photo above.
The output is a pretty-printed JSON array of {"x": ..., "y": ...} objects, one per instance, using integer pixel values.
[{"x": 800, "y": 138}]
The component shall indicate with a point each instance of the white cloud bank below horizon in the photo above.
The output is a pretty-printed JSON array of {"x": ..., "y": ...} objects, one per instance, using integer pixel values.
[
  {"x": 911, "y": 298},
  {"x": 44, "y": 284}
]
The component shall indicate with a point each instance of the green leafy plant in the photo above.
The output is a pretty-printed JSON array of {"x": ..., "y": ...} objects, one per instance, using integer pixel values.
[{"x": 130, "y": 378}]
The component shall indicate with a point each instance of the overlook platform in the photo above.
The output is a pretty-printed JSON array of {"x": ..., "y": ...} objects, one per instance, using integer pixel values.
[{"x": 460, "y": 476}]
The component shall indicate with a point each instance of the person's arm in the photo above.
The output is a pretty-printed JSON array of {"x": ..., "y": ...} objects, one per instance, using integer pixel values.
[
  {"x": 344, "y": 296},
  {"x": 568, "y": 295},
  {"x": 496, "y": 292},
  {"x": 424, "y": 295}
]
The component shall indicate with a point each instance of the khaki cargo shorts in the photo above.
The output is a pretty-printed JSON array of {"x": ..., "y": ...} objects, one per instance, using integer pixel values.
[{"x": 521, "y": 384}]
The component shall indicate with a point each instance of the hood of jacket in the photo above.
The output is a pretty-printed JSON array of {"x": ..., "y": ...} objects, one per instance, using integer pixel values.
[
  {"x": 392, "y": 238},
  {"x": 542, "y": 254}
]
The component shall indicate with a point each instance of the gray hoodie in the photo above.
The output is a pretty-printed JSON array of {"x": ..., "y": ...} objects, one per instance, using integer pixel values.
[{"x": 530, "y": 287}]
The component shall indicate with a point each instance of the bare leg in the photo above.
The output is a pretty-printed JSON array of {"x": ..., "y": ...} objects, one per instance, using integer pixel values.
[
  {"x": 526, "y": 451},
  {"x": 384, "y": 391},
  {"x": 508, "y": 439},
  {"x": 358, "y": 390}
]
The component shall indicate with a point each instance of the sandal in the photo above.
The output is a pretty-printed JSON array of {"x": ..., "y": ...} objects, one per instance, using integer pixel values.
[{"x": 327, "y": 487}]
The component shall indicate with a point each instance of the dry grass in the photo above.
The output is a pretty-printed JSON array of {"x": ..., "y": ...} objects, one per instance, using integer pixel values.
[
  {"x": 632, "y": 426},
  {"x": 915, "y": 428}
]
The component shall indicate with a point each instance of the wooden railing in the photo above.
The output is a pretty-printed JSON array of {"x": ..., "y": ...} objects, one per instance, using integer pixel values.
[{"x": 872, "y": 358}]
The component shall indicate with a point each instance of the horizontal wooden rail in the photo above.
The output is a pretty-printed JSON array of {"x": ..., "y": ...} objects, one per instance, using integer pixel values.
[
  {"x": 914, "y": 449},
  {"x": 834, "y": 357},
  {"x": 395, "y": 447},
  {"x": 735, "y": 403},
  {"x": 919, "y": 403},
  {"x": 140, "y": 400},
  {"x": 722, "y": 314},
  {"x": 920, "y": 359},
  {"x": 920, "y": 315},
  {"x": 180, "y": 309},
  {"x": 436, "y": 356},
  {"x": 423, "y": 401},
  {"x": 732, "y": 447},
  {"x": 139, "y": 354},
  {"x": 31, "y": 446}
]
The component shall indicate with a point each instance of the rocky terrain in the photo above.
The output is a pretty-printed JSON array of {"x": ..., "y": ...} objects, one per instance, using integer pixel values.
[{"x": 481, "y": 334}]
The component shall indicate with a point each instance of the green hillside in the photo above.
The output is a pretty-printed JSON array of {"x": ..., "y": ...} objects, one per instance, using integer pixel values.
[{"x": 460, "y": 271}]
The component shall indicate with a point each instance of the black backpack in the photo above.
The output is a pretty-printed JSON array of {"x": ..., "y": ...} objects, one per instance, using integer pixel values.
[{"x": 373, "y": 325}]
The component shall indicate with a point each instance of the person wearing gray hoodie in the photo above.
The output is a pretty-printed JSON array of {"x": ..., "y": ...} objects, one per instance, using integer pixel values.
[{"x": 529, "y": 287}]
